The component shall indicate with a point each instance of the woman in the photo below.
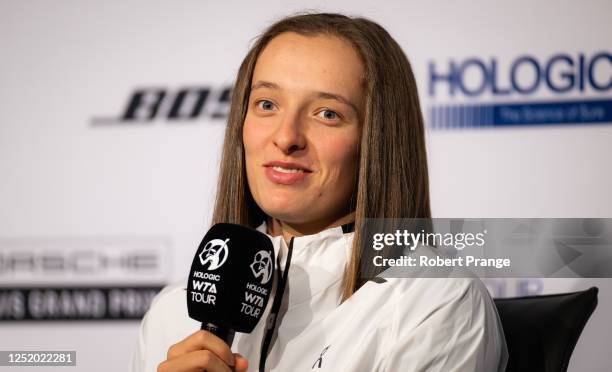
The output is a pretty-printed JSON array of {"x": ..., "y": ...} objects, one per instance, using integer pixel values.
[{"x": 325, "y": 130}]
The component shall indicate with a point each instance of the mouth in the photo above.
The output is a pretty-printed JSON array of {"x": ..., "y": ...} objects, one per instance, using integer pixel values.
[
  {"x": 284, "y": 173},
  {"x": 284, "y": 167}
]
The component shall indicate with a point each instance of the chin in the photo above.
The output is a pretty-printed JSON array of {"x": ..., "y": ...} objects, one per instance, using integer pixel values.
[
  {"x": 285, "y": 215},
  {"x": 286, "y": 212}
]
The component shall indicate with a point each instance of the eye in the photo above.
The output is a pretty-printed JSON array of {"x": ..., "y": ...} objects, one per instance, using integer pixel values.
[
  {"x": 329, "y": 114},
  {"x": 265, "y": 105}
]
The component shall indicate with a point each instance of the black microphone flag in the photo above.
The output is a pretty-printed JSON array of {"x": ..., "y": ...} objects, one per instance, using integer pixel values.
[{"x": 230, "y": 280}]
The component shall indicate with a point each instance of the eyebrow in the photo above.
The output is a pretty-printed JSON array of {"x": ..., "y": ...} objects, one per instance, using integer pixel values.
[
  {"x": 325, "y": 95},
  {"x": 264, "y": 84}
]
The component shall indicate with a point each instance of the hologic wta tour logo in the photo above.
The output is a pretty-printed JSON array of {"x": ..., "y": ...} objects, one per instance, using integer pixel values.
[
  {"x": 214, "y": 254},
  {"x": 487, "y": 92},
  {"x": 262, "y": 266}
]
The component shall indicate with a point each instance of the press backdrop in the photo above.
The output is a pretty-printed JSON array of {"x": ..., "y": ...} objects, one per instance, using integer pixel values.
[{"x": 112, "y": 115}]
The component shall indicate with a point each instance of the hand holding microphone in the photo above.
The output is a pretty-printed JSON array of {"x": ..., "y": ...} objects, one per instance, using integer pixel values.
[
  {"x": 202, "y": 350},
  {"x": 228, "y": 288}
]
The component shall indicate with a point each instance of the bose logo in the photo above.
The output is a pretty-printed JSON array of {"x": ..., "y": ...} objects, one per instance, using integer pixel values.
[{"x": 184, "y": 104}]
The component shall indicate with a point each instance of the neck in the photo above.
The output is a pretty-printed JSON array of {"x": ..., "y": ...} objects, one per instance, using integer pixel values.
[{"x": 288, "y": 230}]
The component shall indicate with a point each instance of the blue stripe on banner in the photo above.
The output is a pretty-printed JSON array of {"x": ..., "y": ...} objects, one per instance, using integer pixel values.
[{"x": 522, "y": 114}]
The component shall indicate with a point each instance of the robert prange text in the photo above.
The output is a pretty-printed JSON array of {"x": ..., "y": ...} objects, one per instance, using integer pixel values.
[{"x": 424, "y": 261}]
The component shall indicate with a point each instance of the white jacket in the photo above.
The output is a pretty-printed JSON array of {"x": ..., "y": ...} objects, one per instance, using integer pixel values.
[{"x": 422, "y": 324}]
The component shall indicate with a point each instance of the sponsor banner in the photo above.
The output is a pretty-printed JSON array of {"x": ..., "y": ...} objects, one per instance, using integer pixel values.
[
  {"x": 75, "y": 303},
  {"x": 95, "y": 278},
  {"x": 559, "y": 89},
  {"x": 521, "y": 114},
  {"x": 96, "y": 260},
  {"x": 185, "y": 104}
]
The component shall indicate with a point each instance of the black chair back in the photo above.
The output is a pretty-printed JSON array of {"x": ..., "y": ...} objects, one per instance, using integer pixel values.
[{"x": 541, "y": 331}]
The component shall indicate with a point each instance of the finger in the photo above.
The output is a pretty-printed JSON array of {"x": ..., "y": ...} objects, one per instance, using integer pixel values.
[
  {"x": 242, "y": 364},
  {"x": 202, "y": 340},
  {"x": 195, "y": 361}
]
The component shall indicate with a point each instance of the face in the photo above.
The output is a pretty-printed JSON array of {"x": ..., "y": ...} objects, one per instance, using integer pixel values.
[{"x": 302, "y": 128}]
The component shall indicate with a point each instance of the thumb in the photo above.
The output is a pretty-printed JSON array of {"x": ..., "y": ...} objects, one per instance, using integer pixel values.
[{"x": 242, "y": 364}]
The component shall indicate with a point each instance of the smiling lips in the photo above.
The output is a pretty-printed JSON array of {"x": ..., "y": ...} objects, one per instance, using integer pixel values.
[{"x": 283, "y": 173}]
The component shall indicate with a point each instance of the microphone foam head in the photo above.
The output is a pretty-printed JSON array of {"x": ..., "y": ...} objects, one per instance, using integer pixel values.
[{"x": 231, "y": 276}]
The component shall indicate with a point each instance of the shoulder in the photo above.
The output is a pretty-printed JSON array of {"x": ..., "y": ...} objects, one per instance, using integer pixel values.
[
  {"x": 448, "y": 322},
  {"x": 170, "y": 300},
  {"x": 408, "y": 295},
  {"x": 457, "y": 298},
  {"x": 168, "y": 316},
  {"x": 441, "y": 290},
  {"x": 433, "y": 286}
]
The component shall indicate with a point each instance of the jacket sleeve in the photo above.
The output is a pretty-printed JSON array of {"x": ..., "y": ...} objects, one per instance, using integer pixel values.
[
  {"x": 457, "y": 329},
  {"x": 138, "y": 358},
  {"x": 153, "y": 338}
]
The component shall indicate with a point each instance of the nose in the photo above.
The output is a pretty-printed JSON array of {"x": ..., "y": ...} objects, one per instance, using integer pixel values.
[{"x": 289, "y": 136}]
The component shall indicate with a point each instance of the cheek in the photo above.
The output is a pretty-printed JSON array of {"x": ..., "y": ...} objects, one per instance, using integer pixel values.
[
  {"x": 341, "y": 155},
  {"x": 252, "y": 140},
  {"x": 247, "y": 137}
]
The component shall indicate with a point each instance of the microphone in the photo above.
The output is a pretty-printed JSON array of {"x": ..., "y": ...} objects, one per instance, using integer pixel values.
[{"x": 230, "y": 280}]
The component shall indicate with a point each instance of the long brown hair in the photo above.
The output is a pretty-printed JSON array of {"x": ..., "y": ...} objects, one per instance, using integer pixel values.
[{"x": 392, "y": 180}]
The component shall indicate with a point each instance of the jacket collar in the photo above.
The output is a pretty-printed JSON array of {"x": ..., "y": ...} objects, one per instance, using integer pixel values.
[{"x": 317, "y": 265}]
